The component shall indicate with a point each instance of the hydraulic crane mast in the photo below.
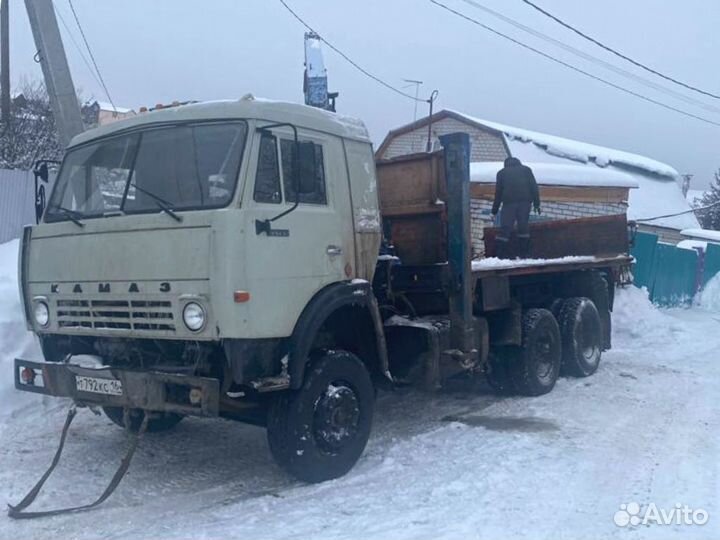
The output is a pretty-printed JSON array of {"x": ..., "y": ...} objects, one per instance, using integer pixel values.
[
  {"x": 56, "y": 72},
  {"x": 315, "y": 83}
]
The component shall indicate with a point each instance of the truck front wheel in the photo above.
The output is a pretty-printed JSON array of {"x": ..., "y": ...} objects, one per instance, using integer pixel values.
[
  {"x": 159, "y": 422},
  {"x": 536, "y": 364},
  {"x": 318, "y": 432}
]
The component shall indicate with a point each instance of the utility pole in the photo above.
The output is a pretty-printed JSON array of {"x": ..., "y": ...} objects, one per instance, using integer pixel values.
[
  {"x": 413, "y": 82},
  {"x": 687, "y": 178},
  {"x": 58, "y": 80},
  {"x": 5, "y": 61}
]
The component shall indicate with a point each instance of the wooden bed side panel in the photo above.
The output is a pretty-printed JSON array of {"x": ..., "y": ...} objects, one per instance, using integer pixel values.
[{"x": 598, "y": 236}]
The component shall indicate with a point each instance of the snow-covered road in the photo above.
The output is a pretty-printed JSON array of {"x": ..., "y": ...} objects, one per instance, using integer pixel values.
[{"x": 464, "y": 463}]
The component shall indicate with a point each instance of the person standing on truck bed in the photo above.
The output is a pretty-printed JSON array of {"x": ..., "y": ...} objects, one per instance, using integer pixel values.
[{"x": 516, "y": 190}]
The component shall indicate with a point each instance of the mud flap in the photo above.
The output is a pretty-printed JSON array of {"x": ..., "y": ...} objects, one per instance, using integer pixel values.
[{"x": 17, "y": 511}]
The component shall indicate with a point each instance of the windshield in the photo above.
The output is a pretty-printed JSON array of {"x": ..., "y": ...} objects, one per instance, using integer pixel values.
[{"x": 184, "y": 167}]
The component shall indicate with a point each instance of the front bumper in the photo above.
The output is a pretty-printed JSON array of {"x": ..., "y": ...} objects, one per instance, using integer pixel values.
[{"x": 148, "y": 390}]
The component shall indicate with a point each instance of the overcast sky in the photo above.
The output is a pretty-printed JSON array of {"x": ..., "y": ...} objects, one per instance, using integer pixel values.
[{"x": 152, "y": 51}]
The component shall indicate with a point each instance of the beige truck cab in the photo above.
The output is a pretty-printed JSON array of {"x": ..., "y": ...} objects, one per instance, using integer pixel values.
[{"x": 201, "y": 253}]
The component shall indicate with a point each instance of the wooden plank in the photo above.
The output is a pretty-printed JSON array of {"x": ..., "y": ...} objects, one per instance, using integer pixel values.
[
  {"x": 602, "y": 235},
  {"x": 596, "y": 194},
  {"x": 409, "y": 189}
]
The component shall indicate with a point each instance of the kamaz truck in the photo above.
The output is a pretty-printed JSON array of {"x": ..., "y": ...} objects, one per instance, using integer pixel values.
[{"x": 249, "y": 260}]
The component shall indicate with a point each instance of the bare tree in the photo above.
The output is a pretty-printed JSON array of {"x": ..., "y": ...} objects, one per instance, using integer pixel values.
[
  {"x": 30, "y": 134},
  {"x": 710, "y": 218}
]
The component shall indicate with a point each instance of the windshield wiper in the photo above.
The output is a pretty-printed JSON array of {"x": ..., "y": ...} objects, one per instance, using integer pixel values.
[
  {"x": 161, "y": 203},
  {"x": 72, "y": 215}
]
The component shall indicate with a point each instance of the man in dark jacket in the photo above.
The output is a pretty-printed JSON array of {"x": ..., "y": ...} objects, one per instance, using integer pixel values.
[{"x": 516, "y": 190}]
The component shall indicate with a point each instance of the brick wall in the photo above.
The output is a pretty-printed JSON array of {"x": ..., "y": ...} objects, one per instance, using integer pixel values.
[
  {"x": 480, "y": 215},
  {"x": 669, "y": 236},
  {"x": 484, "y": 145}
]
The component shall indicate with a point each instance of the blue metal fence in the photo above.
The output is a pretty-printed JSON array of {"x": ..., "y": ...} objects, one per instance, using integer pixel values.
[{"x": 671, "y": 273}]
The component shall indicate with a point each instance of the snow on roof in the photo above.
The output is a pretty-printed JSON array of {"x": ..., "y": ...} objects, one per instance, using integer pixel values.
[
  {"x": 702, "y": 234},
  {"x": 105, "y": 106},
  {"x": 654, "y": 198},
  {"x": 559, "y": 174},
  {"x": 658, "y": 192},
  {"x": 576, "y": 150},
  {"x": 314, "y": 58}
]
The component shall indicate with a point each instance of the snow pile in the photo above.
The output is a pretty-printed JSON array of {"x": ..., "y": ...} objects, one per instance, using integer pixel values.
[
  {"x": 636, "y": 317},
  {"x": 15, "y": 340},
  {"x": 558, "y": 174},
  {"x": 709, "y": 298}
]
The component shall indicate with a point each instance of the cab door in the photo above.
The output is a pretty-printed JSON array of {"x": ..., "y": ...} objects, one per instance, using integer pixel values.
[{"x": 294, "y": 249}]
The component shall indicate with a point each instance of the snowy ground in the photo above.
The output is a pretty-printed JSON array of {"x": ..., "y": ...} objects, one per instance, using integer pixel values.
[{"x": 462, "y": 464}]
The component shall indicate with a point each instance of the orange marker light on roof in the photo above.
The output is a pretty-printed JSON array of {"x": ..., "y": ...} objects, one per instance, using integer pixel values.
[{"x": 241, "y": 297}]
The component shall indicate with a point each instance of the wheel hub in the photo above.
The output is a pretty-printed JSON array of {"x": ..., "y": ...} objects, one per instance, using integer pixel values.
[
  {"x": 336, "y": 417},
  {"x": 543, "y": 354}
]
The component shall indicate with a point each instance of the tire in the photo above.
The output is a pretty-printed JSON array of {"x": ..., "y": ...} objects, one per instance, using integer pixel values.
[
  {"x": 581, "y": 331},
  {"x": 498, "y": 374},
  {"x": 161, "y": 422},
  {"x": 555, "y": 307},
  {"x": 536, "y": 364},
  {"x": 319, "y": 432}
]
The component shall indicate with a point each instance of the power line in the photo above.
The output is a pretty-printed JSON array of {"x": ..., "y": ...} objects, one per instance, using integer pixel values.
[
  {"x": 594, "y": 59},
  {"x": 75, "y": 43},
  {"x": 348, "y": 59},
  {"x": 574, "y": 68},
  {"x": 92, "y": 56},
  {"x": 691, "y": 211},
  {"x": 617, "y": 53}
]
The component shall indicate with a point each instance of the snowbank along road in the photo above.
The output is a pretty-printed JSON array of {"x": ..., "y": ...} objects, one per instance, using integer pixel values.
[{"x": 463, "y": 463}]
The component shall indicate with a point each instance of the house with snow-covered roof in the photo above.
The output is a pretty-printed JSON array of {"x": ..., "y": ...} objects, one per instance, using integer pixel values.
[
  {"x": 576, "y": 179},
  {"x": 100, "y": 113}
]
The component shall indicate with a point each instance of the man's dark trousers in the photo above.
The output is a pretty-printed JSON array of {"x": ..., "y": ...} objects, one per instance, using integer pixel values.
[{"x": 512, "y": 213}]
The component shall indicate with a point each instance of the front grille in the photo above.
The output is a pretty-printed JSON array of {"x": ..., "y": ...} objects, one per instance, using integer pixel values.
[{"x": 139, "y": 315}]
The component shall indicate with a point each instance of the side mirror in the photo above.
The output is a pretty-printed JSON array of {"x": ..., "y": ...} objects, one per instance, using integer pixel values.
[
  {"x": 42, "y": 172},
  {"x": 307, "y": 168}
]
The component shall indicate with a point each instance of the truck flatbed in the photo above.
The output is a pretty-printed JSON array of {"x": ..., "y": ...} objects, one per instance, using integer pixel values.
[{"x": 516, "y": 267}]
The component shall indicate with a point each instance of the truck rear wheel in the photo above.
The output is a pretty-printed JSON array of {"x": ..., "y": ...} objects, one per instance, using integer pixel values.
[
  {"x": 536, "y": 364},
  {"x": 160, "y": 422},
  {"x": 582, "y": 336},
  {"x": 319, "y": 432}
]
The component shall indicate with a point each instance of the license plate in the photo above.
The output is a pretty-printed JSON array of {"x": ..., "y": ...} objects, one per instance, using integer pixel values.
[{"x": 94, "y": 385}]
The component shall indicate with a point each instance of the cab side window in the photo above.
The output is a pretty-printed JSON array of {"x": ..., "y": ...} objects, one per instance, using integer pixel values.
[
  {"x": 267, "y": 177},
  {"x": 311, "y": 167}
]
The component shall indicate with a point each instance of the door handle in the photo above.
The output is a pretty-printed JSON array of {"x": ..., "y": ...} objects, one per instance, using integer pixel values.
[{"x": 334, "y": 251}]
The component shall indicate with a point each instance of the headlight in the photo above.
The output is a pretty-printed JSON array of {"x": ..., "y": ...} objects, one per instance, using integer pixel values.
[
  {"x": 41, "y": 314},
  {"x": 194, "y": 316}
]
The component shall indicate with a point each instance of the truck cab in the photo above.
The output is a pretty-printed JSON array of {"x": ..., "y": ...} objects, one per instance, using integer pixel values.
[{"x": 198, "y": 254}]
